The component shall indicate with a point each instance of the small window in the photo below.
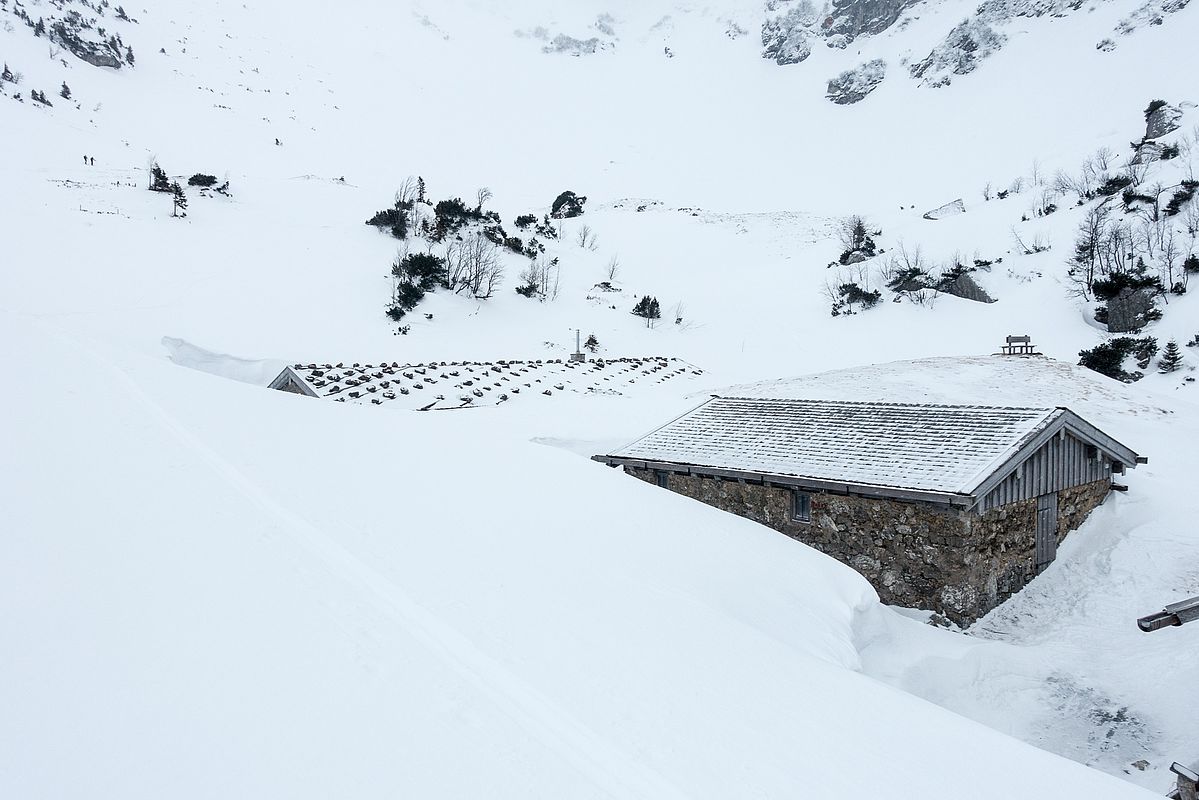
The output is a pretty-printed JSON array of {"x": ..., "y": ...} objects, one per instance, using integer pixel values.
[
  {"x": 663, "y": 478},
  {"x": 801, "y": 506},
  {"x": 1092, "y": 452}
]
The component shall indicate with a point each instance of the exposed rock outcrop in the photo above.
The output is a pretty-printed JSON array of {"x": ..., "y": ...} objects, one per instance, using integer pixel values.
[
  {"x": 854, "y": 84},
  {"x": 568, "y": 45},
  {"x": 1154, "y": 12},
  {"x": 959, "y": 54},
  {"x": 787, "y": 38},
  {"x": 98, "y": 55},
  {"x": 1146, "y": 153},
  {"x": 849, "y": 19},
  {"x": 1162, "y": 120}
]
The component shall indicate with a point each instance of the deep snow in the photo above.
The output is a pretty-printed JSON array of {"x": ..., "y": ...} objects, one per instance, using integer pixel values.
[{"x": 217, "y": 590}]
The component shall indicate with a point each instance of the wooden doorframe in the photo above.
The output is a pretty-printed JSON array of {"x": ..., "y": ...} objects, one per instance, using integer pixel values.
[{"x": 1045, "y": 535}]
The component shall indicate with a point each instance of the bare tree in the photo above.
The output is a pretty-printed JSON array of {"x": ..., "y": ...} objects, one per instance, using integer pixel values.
[
  {"x": 482, "y": 196},
  {"x": 586, "y": 238},
  {"x": 1017, "y": 185},
  {"x": 473, "y": 265},
  {"x": 1038, "y": 244},
  {"x": 1171, "y": 254},
  {"x": 1091, "y": 233},
  {"x": 987, "y": 190},
  {"x": 1136, "y": 171},
  {"x": 1036, "y": 172},
  {"x": 541, "y": 279},
  {"x": 1115, "y": 250},
  {"x": 1082, "y": 185},
  {"x": 905, "y": 272},
  {"x": 613, "y": 268},
  {"x": 1102, "y": 159},
  {"x": 1190, "y": 219},
  {"x": 406, "y": 192}
]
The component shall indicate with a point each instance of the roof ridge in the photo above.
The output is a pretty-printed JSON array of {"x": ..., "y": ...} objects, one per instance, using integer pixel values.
[{"x": 885, "y": 403}]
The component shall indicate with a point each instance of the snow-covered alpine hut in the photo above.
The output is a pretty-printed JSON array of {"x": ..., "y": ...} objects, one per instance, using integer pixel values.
[{"x": 942, "y": 507}]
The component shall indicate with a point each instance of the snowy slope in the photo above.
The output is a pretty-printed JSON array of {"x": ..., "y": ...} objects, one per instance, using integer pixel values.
[
  {"x": 214, "y": 598},
  {"x": 219, "y": 590}
]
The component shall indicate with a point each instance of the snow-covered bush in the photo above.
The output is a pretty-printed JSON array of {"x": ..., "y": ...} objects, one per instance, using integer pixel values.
[
  {"x": 1108, "y": 358},
  {"x": 845, "y": 296},
  {"x": 567, "y": 205}
]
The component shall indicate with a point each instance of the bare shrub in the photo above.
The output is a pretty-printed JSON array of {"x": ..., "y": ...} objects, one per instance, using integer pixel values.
[{"x": 473, "y": 265}]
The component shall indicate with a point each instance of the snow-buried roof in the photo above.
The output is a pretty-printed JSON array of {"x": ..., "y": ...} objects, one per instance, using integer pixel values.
[
  {"x": 471, "y": 384},
  {"x": 939, "y": 449}
]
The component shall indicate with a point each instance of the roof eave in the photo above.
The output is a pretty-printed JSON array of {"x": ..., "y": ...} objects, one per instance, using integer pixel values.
[{"x": 797, "y": 481}]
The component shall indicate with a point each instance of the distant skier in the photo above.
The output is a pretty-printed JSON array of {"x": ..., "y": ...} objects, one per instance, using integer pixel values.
[
  {"x": 277, "y": 142},
  {"x": 93, "y": 161},
  {"x": 85, "y": 161}
]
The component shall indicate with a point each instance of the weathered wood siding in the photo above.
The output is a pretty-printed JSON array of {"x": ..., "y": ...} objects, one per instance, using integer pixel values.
[
  {"x": 291, "y": 386},
  {"x": 1060, "y": 463}
]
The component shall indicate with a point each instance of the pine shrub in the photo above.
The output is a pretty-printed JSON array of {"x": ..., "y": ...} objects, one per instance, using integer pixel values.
[
  {"x": 1171, "y": 358},
  {"x": 1108, "y": 358}
]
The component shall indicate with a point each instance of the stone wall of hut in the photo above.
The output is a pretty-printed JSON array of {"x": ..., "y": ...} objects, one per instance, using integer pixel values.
[{"x": 958, "y": 563}]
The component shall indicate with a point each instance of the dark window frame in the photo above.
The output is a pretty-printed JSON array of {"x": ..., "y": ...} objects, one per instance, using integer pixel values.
[{"x": 801, "y": 506}]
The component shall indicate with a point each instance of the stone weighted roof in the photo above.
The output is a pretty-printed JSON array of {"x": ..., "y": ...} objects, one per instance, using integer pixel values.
[{"x": 471, "y": 384}]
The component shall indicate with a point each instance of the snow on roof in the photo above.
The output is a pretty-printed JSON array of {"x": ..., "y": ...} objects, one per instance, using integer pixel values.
[
  {"x": 467, "y": 384},
  {"x": 968, "y": 380},
  {"x": 940, "y": 449}
]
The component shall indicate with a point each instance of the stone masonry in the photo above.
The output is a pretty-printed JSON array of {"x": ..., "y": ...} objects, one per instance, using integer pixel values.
[{"x": 920, "y": 555}]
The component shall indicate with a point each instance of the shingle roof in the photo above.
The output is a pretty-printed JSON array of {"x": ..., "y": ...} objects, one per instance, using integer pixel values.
[{"x": 937, "y": 449}]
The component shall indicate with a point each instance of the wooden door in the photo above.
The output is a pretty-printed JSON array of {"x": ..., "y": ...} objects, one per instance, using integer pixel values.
[{"x": 1046, "y": 540}]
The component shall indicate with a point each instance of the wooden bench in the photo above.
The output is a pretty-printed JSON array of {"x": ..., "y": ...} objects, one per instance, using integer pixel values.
[{"x": 1019, "y": 346}]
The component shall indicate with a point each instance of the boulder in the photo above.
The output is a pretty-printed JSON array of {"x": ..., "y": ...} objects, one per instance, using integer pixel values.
[
  {"x": 951, "y": 209},
  {"x": 854, "y": 84},
  {"x": 1128, "y": 311},
  {"x": 965, "y": 287}
]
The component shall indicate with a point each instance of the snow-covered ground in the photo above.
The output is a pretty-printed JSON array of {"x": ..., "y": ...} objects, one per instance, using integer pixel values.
[{"x": 210, "y": 589}]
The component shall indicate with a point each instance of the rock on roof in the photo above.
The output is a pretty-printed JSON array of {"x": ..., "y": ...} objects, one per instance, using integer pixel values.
[
  {"x": 938, "y": 449},
  {"x": 467, "y": 384}
]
